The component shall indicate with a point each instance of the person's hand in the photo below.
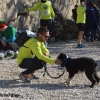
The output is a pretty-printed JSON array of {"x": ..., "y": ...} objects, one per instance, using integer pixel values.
[
  {"x": 47, "y": 54},
  {"x": 58, "y": 62},
  {"x": 3, "y": 43}
]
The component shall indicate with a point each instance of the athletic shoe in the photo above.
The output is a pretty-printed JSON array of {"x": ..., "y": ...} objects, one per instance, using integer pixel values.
[
  {"x": 34, "y": 77},
  {"x": 25, "y": 78},
  {"x": 87, "y": 40},
  {"x": 92, "y": 40},
  {"x": 9, "y": 55},
  {"x": 1, "y": 58},
  {"x": 15, "y": 56},
  {"x": 1, "y": 55},
  {"x": 80, "y": 45}
]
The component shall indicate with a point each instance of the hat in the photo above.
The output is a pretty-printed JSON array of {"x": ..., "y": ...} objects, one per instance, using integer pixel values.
[{"x": 2, "y": 24}]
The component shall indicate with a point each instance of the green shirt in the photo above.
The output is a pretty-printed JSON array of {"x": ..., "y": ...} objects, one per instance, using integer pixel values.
[
  {"x": 81, "y": 15},
  {"x": 10, "y": 34},
  {"x": 37, "y": 48},
  {"x": 45, "y": 9}
]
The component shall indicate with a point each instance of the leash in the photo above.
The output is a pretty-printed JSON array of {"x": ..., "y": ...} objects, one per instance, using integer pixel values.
[
  {"x": 46, "y": 71},
  {"x": 62, "y": 66}
]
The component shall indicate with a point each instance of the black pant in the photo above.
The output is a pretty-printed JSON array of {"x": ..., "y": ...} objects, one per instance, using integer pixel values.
[
  {"x": 47, "y": 23},
  {"x": 31, "y": 65},
  {"x": 9, "y": 46}
]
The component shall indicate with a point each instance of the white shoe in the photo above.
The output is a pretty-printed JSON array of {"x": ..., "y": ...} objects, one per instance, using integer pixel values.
[
  {"x": 1, "y": 55},
  {"x": 4, "y": 52}
]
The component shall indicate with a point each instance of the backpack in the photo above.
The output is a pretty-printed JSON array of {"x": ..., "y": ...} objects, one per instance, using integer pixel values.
[{"x": 23, "y": 36}]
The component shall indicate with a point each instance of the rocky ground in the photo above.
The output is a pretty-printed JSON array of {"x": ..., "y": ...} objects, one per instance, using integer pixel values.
[{"x": 46, "y": 88}]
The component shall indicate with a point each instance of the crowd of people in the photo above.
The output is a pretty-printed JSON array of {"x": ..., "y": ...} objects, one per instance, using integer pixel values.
[
  {"x": 34, "y": 54},
  {"x": 86, "y": 16}
]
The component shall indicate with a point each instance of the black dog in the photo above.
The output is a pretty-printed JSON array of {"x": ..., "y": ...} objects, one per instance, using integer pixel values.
[{"x": 83, "y": 64}]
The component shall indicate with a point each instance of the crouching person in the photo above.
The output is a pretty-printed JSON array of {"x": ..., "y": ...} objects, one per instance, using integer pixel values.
[
  {"x": 34, "y": 55},
  {"x": 7, "y": 37}
]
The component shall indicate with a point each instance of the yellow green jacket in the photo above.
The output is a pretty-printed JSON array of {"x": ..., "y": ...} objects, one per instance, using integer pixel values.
[
  {"x": 45, "y": 9},
  {"x": 35, "y": 47},
  {"x": 81, "y": 15}
]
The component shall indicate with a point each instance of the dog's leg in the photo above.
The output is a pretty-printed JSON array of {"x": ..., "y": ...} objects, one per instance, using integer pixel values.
[
  {"x": 68, "y": 81},
  {"x": 90, "y": 76},
  {"x": 69, "y": 78},
  {"x": 97, "y": 78}
]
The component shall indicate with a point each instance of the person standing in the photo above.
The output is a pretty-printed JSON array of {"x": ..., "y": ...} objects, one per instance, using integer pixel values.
[
  {"x": 81, "y": 20},
  {"x": 97, "y": 27},
  {"x": 46, "y": 13},
  {"x": 34, "y": 55},
  {"x": 74, "y": 13},
  {"x": 91, "y": 22}
]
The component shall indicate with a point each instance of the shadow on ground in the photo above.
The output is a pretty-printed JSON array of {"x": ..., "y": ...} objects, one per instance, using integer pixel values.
[{"x": 16, "y": 84}]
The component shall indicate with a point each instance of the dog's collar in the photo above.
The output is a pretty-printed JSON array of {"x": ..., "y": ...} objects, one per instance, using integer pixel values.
[{"x": 65, "y": 61}]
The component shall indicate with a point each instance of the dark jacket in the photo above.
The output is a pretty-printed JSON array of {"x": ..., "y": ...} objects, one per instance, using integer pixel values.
[
  {"x": 91, "y": 20},
  {"x": 74, "y": 14}
]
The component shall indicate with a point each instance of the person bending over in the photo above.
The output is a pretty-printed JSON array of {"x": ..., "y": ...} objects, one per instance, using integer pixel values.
[{"x": 34, "y": 55}]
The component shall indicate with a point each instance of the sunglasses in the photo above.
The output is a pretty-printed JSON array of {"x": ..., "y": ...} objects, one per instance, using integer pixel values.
[{"x": 45, "y": 36}]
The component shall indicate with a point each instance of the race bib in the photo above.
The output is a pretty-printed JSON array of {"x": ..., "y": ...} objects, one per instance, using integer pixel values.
[{"x": 45, "y": 13}]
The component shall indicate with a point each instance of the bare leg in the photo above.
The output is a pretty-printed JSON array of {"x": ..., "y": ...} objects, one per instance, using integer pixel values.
[{"x": 80, "y": 36}]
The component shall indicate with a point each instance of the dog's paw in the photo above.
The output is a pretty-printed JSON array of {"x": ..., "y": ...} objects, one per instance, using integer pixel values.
[
  {"x": 96, "y": 83},
  {"x": 91, "y": 86},
  {"x": 67, "y": 83}
]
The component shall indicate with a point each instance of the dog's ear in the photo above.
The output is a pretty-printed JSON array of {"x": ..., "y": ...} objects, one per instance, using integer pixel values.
[{"x": 62, "y": 56}]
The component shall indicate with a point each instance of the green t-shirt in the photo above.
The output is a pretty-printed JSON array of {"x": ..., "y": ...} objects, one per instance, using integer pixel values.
[
  {"x": 81, "y": 15},
  {"x": 34, "y": 48},
  {"x": 45, "y": 9},
  {"x": 10, "y": 34}
]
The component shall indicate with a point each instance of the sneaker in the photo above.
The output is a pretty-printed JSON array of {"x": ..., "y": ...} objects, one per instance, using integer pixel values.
[
  {"x": 34, "y": 77},
  {"x": 1, "y": 55},
  {"x": 1, "y": 58},
  {"x": 9, "y": 55},
  {"x": 87, "y": 40},
  {"x": 80, "y": 45},
  {"x": 92, "y": 40},
  {"x": 14, "y": 57},
  {"x": 25, "y": 78},
  {"x": 4, "y": 53}
]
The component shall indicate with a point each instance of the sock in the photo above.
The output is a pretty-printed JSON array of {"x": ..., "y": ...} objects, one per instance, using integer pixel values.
[{"x": 79, "y": 43}]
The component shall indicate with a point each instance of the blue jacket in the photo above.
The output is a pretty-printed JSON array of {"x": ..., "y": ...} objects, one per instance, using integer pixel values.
[{"x": 91, "y": 20}]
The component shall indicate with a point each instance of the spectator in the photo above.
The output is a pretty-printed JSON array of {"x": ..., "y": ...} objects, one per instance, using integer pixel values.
[
  {"x": 97, "y": 27},
  {"x": 81, "y": 17},
  {"x": 7, "y": 37},
  {"x": 46, "y": 13},
  {"x": 74, "y": 13},
  {"x": 91, "y": 22},
  {"x": 35, "y": 56}
]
